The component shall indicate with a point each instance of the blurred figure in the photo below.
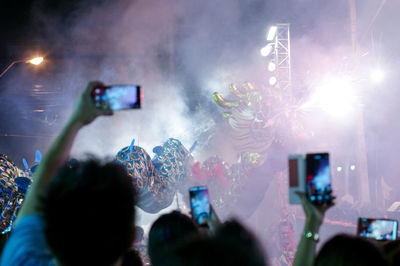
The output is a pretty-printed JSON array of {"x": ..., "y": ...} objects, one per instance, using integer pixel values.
[
  {"x": 392, "y": 252},
  {"x": 168, "y": 230},
  {"x": 232, "y": 245},
  {"x": 233, "y": 231},
  {"x": 132, "y": 258},
  {"x": 140, "y": 245},
  {"x": 81, "y": 215},
  {"x": 347, "y": 250}
]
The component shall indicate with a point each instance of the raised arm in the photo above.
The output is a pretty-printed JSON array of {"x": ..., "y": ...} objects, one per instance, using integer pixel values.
[
  {"x": 305, "y": 253},
  {"x": 84, "y": 113}
]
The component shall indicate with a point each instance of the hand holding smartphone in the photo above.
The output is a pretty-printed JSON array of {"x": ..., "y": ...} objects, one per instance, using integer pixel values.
[
  {"x": 310, "y": 176},
  {"x": 378, "y": 229},
  {"x": 117, "y": 97},
  {"x": 200, "y": 204}
]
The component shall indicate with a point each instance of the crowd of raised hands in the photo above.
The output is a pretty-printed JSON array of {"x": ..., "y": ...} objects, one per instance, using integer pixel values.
[
  {"x": 84, "y": 214},
  {"x": 341, "y": 249}
]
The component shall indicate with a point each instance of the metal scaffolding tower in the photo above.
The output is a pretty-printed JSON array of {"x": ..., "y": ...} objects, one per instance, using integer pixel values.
[{"x": 282, "y": 56}]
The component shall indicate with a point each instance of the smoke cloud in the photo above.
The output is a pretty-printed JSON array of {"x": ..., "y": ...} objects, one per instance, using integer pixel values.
[{"x": 180, "y": 52}]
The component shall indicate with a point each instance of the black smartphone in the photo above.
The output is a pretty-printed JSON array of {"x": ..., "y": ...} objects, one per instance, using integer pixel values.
[
  {"x": 318, "y": 178},
  {"x": 199, "y": 203},
  {"x": 117, "y": 97},
  {"x": 379, "y": 229}
]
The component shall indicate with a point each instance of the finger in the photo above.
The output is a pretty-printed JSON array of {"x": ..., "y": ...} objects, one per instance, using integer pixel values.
[
  {"x": 104, "y": 111},
  {"x": 213, "y": 213},
  {"x": 330, "y": 205},
  {"x": 91, "y": 85},
  {"x": 210, "y": 224},
  {"x": 332, "y": 202},
  {"x": 109, "y": 112},
  {"x": 95, "y": 83},
  {"x": 302, "y": 196}
]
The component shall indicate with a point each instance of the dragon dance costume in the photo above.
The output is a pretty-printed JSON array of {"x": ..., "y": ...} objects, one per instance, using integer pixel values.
[
  {"x": 157, "y": 179},
  {"x": 173, "y": 170},
  {"x": 14, "y": 184}
]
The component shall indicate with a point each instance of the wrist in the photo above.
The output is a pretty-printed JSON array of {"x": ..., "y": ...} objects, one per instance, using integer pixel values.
[
  {"x": 311, "y": 228},
  {"x": 74, "y": 124},
  {"x": 76, "y": 120},
  {"x": 311, "y": 235},
  {"x": 311, "y": 231},
  {"x": 313, "y": 224}
]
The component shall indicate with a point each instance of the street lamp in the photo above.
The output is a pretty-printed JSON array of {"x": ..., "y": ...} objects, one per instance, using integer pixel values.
[{"x": 34, "y": 61}]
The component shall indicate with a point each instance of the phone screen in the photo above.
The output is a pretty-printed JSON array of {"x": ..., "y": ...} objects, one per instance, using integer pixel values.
[
  {"x": 318, "y": 178},
  {"x": 117, "y": 97},
  {"x": 200, "y": 203},
  {"x": 379, "y": 229}
]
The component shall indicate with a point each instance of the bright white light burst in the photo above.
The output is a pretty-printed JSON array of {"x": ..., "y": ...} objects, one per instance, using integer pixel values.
[
  {"x": 335, "y": 95},
  {"x": 377, "y": 75}
]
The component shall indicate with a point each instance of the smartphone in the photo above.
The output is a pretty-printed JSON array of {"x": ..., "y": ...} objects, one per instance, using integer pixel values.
[
  {"x": 318, "y": 178},
  {"x": 297, "y": 179},
  {"x": 379, "y": 229},
  {"x": 117, "y": 97},
  {"x": 199, "y": 203}
]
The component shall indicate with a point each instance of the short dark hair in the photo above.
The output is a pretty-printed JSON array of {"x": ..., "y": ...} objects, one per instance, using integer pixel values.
[
  {"x": 89, "y": 213},
  {"x": 234, "y": 231},
  {"x": 392, "y": 252},
  {"x": 212, "y": 251},
  {"x": 132, "y": 258},
  {"x": 348, "y": 250},
  {"x": 168, "y": 230},
  {"x": 232, "y": 245}
]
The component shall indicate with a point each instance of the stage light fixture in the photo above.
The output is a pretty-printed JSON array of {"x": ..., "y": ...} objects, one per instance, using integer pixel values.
[
  {"x": 271, "y": 66},
  {"x": 339, "y": 168},
  {"x": 272, "y": 81},
  {"x": 352, "y": 167},
  {"x": 271, "y": 33},
  {"x": 266, "y": 50}
]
